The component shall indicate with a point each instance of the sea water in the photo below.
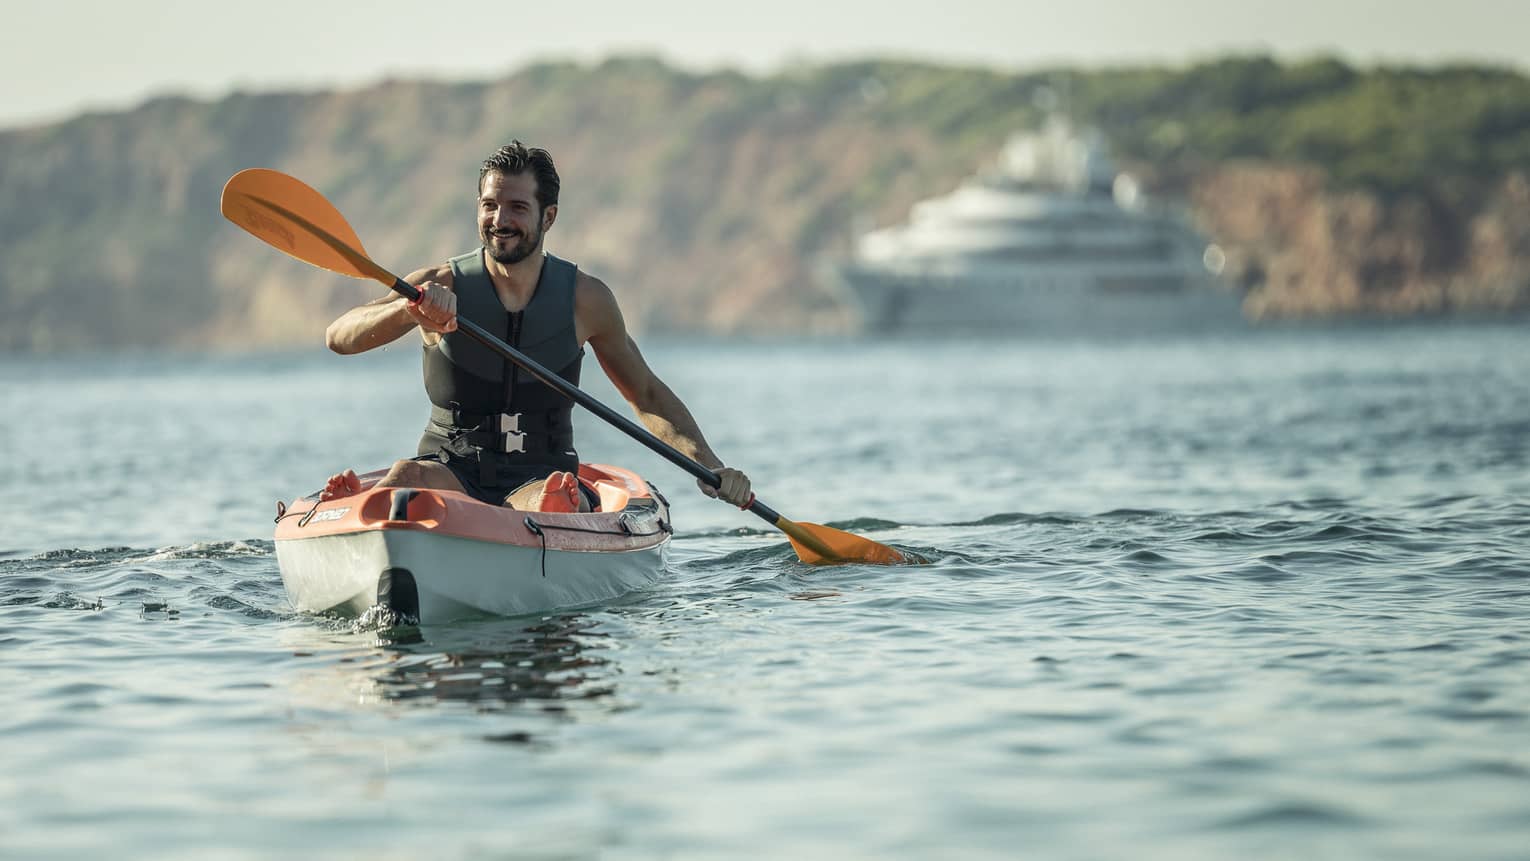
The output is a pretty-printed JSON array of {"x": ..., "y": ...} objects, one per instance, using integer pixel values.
[{"x": 1257, "y": 596}]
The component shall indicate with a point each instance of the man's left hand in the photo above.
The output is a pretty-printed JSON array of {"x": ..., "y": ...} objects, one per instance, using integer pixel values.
[{"x": 734, "y": 490}]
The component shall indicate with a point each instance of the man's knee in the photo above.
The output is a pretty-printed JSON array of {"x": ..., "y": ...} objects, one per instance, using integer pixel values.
[{"x": 413, "y": 473}]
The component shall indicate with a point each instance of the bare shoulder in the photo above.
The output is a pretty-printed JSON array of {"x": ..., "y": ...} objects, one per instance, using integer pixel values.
[
  {"x": 591, "y": 290},
  {"x": 596, "y": 313},
  {"x": 441, "y": 274}
]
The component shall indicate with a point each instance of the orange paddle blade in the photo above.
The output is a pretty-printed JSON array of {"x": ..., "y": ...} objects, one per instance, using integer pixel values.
[
  {"x": 821, "y": 545},
  {"x": 290, "y": 216}
]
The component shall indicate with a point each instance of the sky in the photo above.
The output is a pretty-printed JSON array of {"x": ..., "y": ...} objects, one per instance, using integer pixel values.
[{"x": 60, "y": 58}]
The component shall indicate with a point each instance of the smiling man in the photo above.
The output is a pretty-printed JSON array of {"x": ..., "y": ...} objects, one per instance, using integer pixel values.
[{"x": 496, "y": 432}]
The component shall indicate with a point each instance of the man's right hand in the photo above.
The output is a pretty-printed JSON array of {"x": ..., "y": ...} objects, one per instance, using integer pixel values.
[{"x": 436, "y": 309}]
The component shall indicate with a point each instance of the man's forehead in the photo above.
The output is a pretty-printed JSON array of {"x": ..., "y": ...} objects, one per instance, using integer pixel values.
[{"x": 500, "y": 186}]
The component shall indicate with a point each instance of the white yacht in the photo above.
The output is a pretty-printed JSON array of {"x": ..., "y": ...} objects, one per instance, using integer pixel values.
[{"x": 1051, "y": 240}]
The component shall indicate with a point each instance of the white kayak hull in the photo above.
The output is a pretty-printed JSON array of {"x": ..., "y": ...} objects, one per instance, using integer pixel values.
[
  {"x": 455, "y": 577},
  {"x": 436, "y": 555}
]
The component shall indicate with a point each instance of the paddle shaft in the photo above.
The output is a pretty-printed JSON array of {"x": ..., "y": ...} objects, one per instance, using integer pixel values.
[{"x": 578, "y": 396}]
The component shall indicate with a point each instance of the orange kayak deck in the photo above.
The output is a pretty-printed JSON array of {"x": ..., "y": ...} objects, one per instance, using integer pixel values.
[
  {"x": 436, "y": 555},
  {"x": 630, "y": 515}
]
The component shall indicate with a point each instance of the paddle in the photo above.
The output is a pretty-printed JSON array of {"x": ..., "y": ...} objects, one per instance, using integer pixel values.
[{"x": 293, "y": 218}]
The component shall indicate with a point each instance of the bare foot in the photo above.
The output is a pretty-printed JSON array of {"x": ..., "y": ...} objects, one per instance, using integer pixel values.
[
  {"x": 559, "y": 493},
  {"x": 339, "y": 485}
]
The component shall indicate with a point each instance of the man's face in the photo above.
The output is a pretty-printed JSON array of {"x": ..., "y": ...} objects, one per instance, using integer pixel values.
[{"x": 510, "y": 223}]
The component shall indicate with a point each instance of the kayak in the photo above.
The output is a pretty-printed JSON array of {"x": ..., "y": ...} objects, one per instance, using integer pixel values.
[{"x": 439, "y": 555}]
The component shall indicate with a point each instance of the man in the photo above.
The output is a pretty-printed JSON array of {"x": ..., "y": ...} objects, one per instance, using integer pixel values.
[{"x": 496, "y": 432}]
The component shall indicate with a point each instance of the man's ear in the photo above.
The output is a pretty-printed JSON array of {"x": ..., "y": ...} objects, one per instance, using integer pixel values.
[{"x": 549, "y": 215}]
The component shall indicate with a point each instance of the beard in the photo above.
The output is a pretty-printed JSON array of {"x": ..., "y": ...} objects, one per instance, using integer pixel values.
[{"x": 523, "y": 246}]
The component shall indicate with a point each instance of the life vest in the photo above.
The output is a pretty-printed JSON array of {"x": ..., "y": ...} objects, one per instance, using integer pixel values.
[{"x": 483, "y": 406}]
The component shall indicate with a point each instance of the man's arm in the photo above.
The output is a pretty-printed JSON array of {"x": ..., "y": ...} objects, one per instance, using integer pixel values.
[
  {"x": 385, "y": 320},
  {"x": 599, "y": 322}
]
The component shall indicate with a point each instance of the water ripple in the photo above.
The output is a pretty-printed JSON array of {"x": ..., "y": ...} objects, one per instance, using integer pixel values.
[{"x": 1261, "y": 598}]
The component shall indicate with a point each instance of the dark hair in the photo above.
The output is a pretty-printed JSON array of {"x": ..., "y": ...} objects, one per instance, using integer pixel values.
[{"x": 516, "y": 158}]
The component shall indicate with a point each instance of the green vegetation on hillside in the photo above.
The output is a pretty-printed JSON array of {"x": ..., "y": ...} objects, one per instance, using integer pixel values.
[
  {"x": 703, "y": 198},
  {"x": 1387, "y": 129}
]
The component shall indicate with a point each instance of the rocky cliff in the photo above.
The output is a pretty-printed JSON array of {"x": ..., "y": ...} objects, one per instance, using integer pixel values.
[
  {"x": 1304, "y": 250},
  {"x": 705, "y": 199}
]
